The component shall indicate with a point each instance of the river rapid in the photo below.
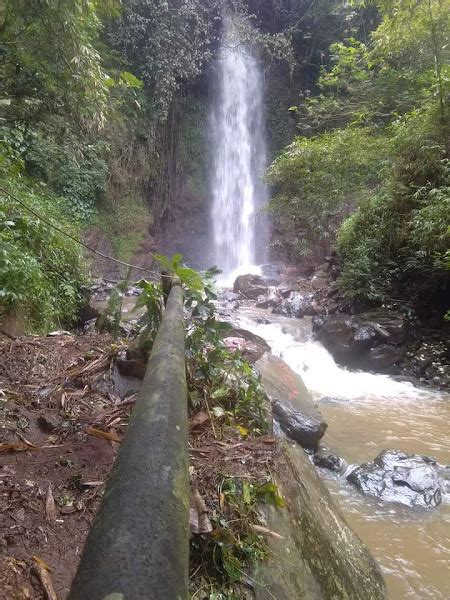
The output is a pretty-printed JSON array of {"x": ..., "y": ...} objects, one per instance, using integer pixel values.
[{"x": 367, "y": 413}]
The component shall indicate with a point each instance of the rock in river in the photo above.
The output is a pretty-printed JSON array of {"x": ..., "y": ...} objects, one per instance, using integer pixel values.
[
  {"x": 250, "y": 286},
  {"x": 292, "y": 405},
  {"x": 316, "y": 555},
  {"x": 296, "y": 305},
  {"x": 393, "y": 476},
  {"x": 368, "y": 340}
]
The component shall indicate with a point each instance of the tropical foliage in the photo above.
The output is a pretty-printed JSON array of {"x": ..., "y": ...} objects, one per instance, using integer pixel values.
[{"x": 374, "y": 140}]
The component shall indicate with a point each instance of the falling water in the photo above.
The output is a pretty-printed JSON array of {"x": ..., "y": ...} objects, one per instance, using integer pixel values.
[{"x": 239, "y": 157}]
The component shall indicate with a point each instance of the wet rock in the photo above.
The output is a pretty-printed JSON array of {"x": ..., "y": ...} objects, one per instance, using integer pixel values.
[
  {"x": 317, "y": 556},
  {"x": 327, "y": 460},
  {"x": 267, "y": 303},
  {"x": 255, "y": 346},
  {"x": 284, "y": 292},
  {"x": 262, "y": 321},
  {"x": 292, "y": 405},
  {"x": 271, "y": 274},
  {"x": 389, "y": 325},
  {"x": 393, "y": 476},
  {"x": 382, "y": 356},
  {"x": 227, "y": 295},
  {"x": 250, "y": 286},
  {"x": 296, "y": 305},
  {"x": 318, "y": 322},
  {"x": 343, "y": 336},
  {"x": 367, "y": 341},
  {"x": 430, "y": 360},
  {"x": 303, "y": 428}
]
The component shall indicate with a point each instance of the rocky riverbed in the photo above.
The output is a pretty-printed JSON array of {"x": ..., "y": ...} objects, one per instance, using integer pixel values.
[
  {"x": 389, "y": 339},
  {"x": 384, "y": 451}
]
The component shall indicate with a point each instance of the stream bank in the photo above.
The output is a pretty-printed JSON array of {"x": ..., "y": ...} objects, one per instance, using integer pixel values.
[
  {"x": 66, "y": 407},
  {"x": 366, "y": 413}
]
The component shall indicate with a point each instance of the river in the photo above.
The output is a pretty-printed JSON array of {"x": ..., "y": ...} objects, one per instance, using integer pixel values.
[{"x": 367, "y": 413}]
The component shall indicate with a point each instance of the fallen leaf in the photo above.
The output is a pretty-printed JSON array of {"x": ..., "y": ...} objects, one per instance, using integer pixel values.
[
  {"x": 269, "y": 440},
  {"x": 42, "y": 563},
  {"x": 59, "y": 332},
  {"x": 24, "y": 439},
  {"x": 8, "y": 447},
  {"x": 221, "y": 501},
  {"x": 198, "y": 419},
  {"x": 43, "y": 572},
  {"x": 50, "y": 507},
  {"x": 268, "y": 532},
  {"x": 242, "y": 430},
  {"x": 107, "y": 435}
]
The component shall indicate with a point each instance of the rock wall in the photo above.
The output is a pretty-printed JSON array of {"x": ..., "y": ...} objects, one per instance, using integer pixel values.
[{"x": 318, "y": 556}]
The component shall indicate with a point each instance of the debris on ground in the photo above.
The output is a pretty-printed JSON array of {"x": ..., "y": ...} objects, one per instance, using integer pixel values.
[{"x": 63, "y": 418}]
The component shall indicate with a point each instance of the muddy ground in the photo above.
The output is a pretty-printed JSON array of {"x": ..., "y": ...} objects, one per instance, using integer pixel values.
[{"x": 62, "y": 420}]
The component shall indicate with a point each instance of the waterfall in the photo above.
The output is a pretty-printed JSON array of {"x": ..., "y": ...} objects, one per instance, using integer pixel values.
[{"x": 239, "y": 157}]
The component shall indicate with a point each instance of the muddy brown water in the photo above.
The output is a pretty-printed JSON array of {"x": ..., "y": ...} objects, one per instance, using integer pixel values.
[{"x": 367, "y": 413}]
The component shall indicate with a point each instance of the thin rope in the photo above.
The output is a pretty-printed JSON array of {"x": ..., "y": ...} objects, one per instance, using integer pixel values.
[{"x": 45, "y": 220}]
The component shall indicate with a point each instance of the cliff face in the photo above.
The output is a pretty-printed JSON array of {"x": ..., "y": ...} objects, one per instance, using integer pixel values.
[{"x": 181, "y": 198}]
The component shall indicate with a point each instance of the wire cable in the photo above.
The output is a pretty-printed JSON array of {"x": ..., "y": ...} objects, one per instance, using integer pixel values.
[{"x": 78, "y": 241}]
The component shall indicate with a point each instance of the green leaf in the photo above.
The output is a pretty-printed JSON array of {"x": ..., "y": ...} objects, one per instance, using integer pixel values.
[{"x": 269, "y": 494}]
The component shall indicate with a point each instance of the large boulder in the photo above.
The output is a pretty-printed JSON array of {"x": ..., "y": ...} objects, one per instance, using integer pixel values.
[
  {"x": 317, "y": 556},
  {"x": 303, "y": 428},
  {"x": 253, "y": 346},
  {"x": 382, "y": 356},
  {"x": 250, "y": 286},
  {"x": 292, "y": 405},
  {"x": 393, "y": 476},
  {"x": 368, "y": 340},
  {"x": 325, "y": 459},
  {"x": 296, "y": 305},
  {"x": 390, "y": 325}
]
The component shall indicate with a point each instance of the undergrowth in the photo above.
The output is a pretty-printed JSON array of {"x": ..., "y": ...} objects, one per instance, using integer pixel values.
[
  {"x": 222, "y": 384},
  {"x": 41, "y": 270},
  {"x": 125, "y": 223}
]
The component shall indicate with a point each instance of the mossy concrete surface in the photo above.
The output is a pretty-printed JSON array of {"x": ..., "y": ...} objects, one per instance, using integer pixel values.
[{"x": 138, "y": 546}]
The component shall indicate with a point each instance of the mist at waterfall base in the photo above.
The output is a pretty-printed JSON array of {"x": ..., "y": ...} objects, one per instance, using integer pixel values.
[{"x": 237, "y": 128}]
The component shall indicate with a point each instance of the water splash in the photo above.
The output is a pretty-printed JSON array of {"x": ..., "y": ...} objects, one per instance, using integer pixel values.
[{"x": 239, "y": 157}]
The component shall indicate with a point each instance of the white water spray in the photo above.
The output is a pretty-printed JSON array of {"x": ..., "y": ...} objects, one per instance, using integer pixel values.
[{"x": 239, "y": 157}]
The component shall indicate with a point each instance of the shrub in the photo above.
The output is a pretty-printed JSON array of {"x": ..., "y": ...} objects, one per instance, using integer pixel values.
[
  {"x": 315, "y": 179},
  {"x": 41, "y": 270},
  {"x": 73, "y": 169},
  {"x": 394, "y": 245}
]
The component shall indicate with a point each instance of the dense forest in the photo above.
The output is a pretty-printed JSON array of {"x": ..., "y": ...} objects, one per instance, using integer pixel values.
[
  {"x": 238, "y": 430},
  {"x": 102, "y": 116}
]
